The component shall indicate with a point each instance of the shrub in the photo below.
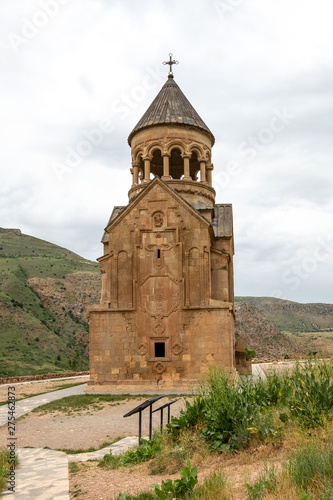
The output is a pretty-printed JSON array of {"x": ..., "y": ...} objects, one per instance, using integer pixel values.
[
  {"x": 229, "y": 411},
  {"x": 142, "y": 453},
  {"x": 312, "y": 399},
  {"x": 178, "y": 488},
  {"x": 250, "y": 353},
  {"x": 140, "y": 496},
  {"x": 266, "y": 482}
]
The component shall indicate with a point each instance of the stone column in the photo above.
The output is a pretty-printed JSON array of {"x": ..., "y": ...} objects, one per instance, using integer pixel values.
[
  {"x": 135, "y": 174},
  {"x": 166, "y": 166},
  {"x": 203, "y": 172},
  {"x": 114, "y": 284},
  {"x": 147, "y": 160},
  {"x": 187, "y": 280},
  {"x": 209, "y": 174},
  {"x": 187, "y": 176}
]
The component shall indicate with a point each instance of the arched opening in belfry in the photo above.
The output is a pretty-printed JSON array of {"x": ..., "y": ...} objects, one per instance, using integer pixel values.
[
  {"x": 141, "y": 170},
  {"x": 176, "y": 164},
  {"x": 194, "y": 166},
  {"x": 156, "y": 165}
]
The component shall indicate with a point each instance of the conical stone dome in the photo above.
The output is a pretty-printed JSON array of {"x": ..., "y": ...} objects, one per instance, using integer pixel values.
[{"x": 171, "y": 106}]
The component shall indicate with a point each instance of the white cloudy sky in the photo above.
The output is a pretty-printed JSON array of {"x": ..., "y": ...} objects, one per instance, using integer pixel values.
[{"x": 69, "y": 66}]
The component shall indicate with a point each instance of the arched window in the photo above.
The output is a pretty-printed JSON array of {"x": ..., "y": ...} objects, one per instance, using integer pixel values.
[
  {"x": 156, "y": 164},
  {"x": 194, "y": 166},
  {"x": 141, "y": 169},
  {"x": 176, "y": 164}
]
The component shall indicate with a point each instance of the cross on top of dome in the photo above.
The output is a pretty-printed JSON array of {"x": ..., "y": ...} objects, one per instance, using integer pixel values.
[{"x": 170, "y": 63}]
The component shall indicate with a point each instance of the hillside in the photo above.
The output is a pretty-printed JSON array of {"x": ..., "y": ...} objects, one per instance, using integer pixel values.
[
  {"x": 310, "y": 326},
  {"x": 40, "y": 334},
  {"x": 259, "y": 334}
]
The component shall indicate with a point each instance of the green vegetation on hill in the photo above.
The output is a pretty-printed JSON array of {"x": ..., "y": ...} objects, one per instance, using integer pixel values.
[
  {"x": 35, "y": 336},
  {"x": 293, "y": 317},
  {"x": 309, "y": 326}
]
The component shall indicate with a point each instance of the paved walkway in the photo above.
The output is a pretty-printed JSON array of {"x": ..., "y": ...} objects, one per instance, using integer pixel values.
[
  {"x": 26, "y": 405},
  {"x": 43, "y": 474}
]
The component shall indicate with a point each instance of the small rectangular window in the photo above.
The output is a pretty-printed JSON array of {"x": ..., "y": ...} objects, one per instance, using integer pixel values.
[
  {"x": 158, "y": 253},
  {"x": 159, "y": 349}
]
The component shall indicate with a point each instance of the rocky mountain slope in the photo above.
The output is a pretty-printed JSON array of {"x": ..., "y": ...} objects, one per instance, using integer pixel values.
[{"x": 259, "y": 334}]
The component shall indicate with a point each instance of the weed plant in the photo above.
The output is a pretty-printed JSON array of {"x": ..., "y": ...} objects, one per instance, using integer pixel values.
[
  {"x": 312, "y": 469},
  {"x": 266, "y": 482},
  {"x": 179, "y": 488},
  {"x": 175, "y": 453},
  {"x": 144, "y": 452},
  {"x": 187, "y": 487},
  {"x": 213, "y": 486},
  {"x": 141, "y": 496},
  {"x": 4, "y": 467},
  {"x": 229, "y": 411}
]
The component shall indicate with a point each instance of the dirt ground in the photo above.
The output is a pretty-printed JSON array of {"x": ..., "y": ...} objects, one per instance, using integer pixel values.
[
  {"x": 86, "y": 428},
  {"x": 91, "y": 482}
]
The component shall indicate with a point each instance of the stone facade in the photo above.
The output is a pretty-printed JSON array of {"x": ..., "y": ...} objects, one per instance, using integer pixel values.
[{"x": 167, "y": 306}]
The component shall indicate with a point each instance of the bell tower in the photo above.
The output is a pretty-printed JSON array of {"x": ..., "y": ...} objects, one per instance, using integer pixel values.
[
  {"x": 166, "y": 314},
  {"x": 172, "y": 141}
]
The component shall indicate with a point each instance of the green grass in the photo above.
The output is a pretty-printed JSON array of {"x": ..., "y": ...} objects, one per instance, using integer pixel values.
[
  {"x": 81, "y": 402},
  {"x": 313, "y": 466},
  {"x": 213, "y": 486},
  {"x": 307, "y": 475},
  {"x": 5, "y": 467},
  {"x": 86, "y": 450}
]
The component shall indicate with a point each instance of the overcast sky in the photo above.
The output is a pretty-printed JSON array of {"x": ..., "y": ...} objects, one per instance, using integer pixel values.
[{"x": 77, "y": 75}]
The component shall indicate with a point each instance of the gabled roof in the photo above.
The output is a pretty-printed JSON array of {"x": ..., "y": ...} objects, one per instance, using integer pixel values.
[
  {"x": 121, "y": 214},
  {"x": 115, "y": 212},
  {"x": 170, "y": 106}
]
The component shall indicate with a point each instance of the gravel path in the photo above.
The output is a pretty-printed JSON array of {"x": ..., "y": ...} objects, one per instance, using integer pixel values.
[{"x": 88, "y": 428}]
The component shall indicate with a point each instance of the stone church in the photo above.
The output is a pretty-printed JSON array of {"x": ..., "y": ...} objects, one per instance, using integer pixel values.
[{"x": 166, "y": 314}]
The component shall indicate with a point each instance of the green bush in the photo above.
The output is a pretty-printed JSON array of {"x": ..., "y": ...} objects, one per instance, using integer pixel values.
[
  {"x": 266, "y": 482},
  {"x": 140, "y": 496},
  {"x": 179, "y": 488},
  {"x": 144, "y": 452},
  {"x": 312, "y": 400},
  {"x": 250, "y": 353},
  {"x": 230, "y": 411}
]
